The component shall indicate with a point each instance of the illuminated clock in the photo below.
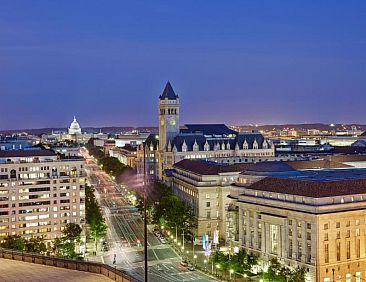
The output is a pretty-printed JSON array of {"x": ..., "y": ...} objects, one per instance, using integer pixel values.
[{"x": 172, "y": 121}]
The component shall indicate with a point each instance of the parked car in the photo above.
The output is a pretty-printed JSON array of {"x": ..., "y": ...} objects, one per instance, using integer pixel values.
[
  {"x": 162, "y": 240},
  {"x": 184, "y": 263},
  {"x": 190, "y": 267}
]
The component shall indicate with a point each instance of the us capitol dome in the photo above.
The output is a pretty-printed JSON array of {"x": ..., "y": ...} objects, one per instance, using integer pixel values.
[{"x": 74, "y": 127}]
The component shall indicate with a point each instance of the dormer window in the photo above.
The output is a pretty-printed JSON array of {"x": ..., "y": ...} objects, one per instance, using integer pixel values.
[
  {"x": 245, "y": 145},
  {"x": 184, "y": 146},
  {"x": 207, "y": 146},
  {"x": 255, "y": 145}
]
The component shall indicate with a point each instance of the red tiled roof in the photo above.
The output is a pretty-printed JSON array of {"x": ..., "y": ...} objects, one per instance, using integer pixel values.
[{"x": 313, "y": 189}]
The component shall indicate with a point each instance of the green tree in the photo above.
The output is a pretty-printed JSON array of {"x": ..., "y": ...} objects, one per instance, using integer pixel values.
[
  {"x": 14, "y": 243},
  {"x": 64, "y": 248},
  {"x": 35, "y": 245},
  {"x": 72, "y": 232},
  {"x": 98, "y": 229}
]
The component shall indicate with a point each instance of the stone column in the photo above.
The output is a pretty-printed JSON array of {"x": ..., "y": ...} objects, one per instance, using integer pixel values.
[
  {"x": 304, "y": 245},
  {"x": 268, "y": 238},
  {"x": 255, "y": 227},
  {"x": 294, "y": 239},
  {"x": 263, "y": 249},
  {"x": 283, "y": 241}
]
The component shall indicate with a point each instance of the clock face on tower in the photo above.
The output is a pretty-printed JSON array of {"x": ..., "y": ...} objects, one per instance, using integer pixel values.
[{"x": 172, "y": 121}]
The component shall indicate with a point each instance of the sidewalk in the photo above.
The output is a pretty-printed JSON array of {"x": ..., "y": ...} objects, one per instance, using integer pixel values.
[{"x": 196, "y": 257}]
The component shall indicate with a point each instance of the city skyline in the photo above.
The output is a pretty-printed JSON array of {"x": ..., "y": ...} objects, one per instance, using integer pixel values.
[{"x": 239, "y": 64}]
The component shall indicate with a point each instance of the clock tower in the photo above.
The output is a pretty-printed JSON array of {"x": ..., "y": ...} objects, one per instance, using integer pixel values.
[{"x": 168, "y": 116}]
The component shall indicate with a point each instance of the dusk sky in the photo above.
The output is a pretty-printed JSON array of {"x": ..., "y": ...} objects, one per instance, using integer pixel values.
[{"x": 234, "y": 62}]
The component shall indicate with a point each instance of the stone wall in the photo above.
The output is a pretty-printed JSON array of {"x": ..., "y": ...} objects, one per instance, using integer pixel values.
[{"x": 93, "y": 267}]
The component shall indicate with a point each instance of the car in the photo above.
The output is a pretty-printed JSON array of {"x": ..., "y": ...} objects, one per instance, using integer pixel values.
[
  {"x": 190, "y": 267},
  {"x": 157, "y": 234},
  {"x": 162, "y": 240},
  {"x": 184, "y": 263}
]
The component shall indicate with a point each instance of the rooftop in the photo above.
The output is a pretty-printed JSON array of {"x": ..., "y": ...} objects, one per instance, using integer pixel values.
[
  {"x": 209, "y": 168},
  {"x": 27, "y": 153},
  {"x": 12, "y": 270},
  {"x": 312, "y": 188},
  {"x": 168, "y": 92}
]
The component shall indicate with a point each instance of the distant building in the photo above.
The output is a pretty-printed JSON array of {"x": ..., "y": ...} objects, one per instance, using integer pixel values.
[
  {"x": 126, "y": 155},
  {"x": 16, "y": 142},
  {"x": 74, "y": 127},
  {"x": 193, "y": 141},
  {"x": 40, "y": 194},
  {"x": 74, "y": 133},
  {"x": 361, "y": 141}
]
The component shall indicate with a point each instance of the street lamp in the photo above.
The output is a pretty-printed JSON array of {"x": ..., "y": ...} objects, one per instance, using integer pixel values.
[
  {"x": 217, "y": 267},
  {"x": 231, "y": 271}
]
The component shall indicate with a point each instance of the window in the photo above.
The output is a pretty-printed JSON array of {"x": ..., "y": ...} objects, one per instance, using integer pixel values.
[
  {"x": 208, "y": 215},
  {"x": 338, "y": 225},
  {"x": 308, "y": 235},
  {"x": 357, "y": 222},
  {"x": 208, "y": 225},
  {"x": 338, "y": 235},
  {"x": 290, "y": 248},
  {"x": 299, "y": 250},
  {"x": 348, "y": 234},
  {"x": 207, "y": 196},
  {"x": 308, "y": 225},
  {"x": 357, "y": 232},
  {"x": 338, "y": 251},
  {"x": 326, "y": 236},
  {"x": 348, "y": 223},
  {"x": 274, "y": 238},
  {"x": 348, "y": 249},
  {"x": 208, "y": 204},
  {"x": 326, "y": 226},
  {"x": 290, "y": 232},
  {"x": 358, "y": 248},
  {"x": 290, "y": 222}
]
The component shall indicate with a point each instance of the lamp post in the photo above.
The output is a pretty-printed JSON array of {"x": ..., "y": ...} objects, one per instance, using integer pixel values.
[
  {"x": 145, "y": 214},
  {"x": 195, "y": 260},
  {"x": 231, "y": 271},
  {"x": 205, "y": 262}
]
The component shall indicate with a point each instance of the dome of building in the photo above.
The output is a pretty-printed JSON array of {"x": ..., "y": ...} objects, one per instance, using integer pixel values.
[{"x": 74, "y": 127}]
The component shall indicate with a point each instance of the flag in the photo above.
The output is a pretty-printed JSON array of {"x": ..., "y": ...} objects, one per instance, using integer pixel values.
[
  {"x": 204, "y": 242},
  {"x": 216, "y": 237}
]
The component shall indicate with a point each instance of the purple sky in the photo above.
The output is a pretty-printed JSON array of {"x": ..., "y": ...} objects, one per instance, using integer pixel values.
[{"x": 248, "y": 62}]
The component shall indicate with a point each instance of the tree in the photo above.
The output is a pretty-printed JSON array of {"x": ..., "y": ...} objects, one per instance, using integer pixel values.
[
  {"x": 72, "y": 232},
  {"x": 98, "y": 229},
  {"x": 298, "y": 275},
  {"x": 35, "y": 245},
  {"x": 14, "y": 243},
  {"x": 64, "y": 248}
]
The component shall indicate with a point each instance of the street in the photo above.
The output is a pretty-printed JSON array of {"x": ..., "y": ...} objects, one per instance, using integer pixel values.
[{"x": 125, "y": 234}]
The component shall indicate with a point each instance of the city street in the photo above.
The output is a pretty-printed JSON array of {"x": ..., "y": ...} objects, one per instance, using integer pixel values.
[{"x": 125, "y": 235}]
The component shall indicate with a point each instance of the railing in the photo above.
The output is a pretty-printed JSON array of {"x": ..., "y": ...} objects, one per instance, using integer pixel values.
[{"x": 92, "y": 267}]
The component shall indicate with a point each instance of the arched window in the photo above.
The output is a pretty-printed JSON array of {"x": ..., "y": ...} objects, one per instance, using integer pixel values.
[{"x": 13, "y": 173}]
